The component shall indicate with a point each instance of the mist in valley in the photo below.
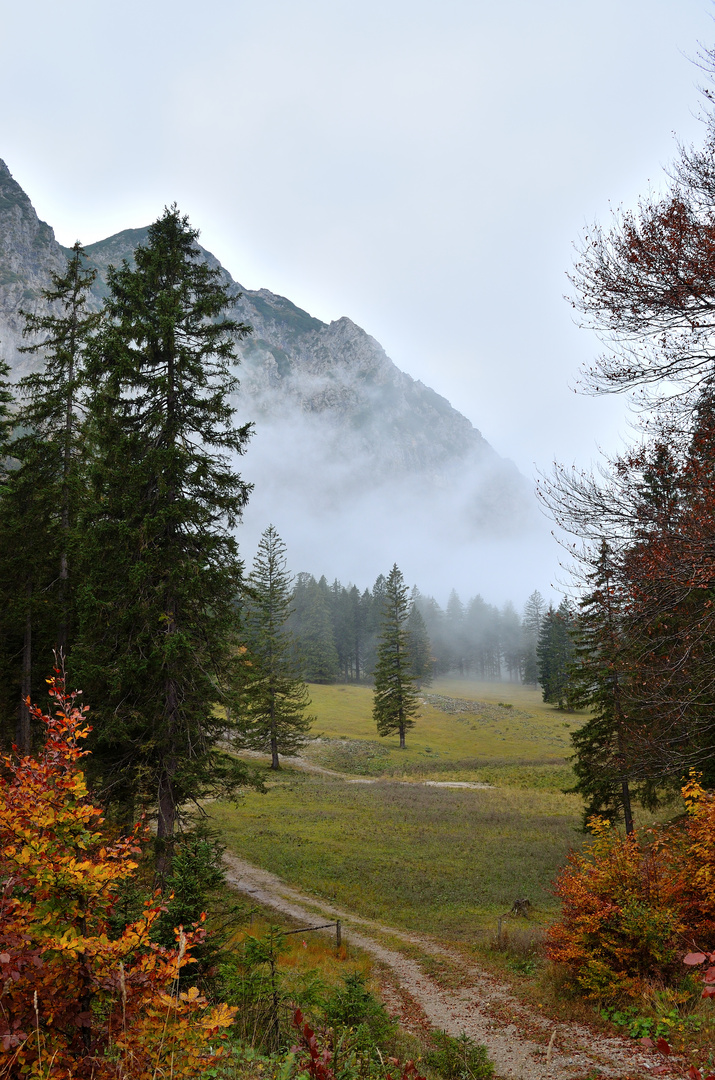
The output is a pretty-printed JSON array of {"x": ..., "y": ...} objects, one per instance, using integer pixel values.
[{"x": 475, "y": 527}]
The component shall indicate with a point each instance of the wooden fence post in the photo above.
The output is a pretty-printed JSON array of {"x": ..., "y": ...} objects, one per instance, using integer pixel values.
[{"x": 338, "y": 935}]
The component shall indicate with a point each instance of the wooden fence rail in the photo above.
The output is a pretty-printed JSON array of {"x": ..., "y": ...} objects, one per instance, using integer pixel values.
[{"x": 322, "y": 926}]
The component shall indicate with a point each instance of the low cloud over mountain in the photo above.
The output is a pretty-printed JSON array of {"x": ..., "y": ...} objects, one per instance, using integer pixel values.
[{"x": 357, "y": 464}]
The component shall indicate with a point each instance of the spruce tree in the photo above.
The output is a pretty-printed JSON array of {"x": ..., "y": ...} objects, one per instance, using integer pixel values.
[
  {"x": 510, "y": 641},
  {"x": 313, "y": 629},
  {"x": 7, "y": 420},
  {"x": 555, "y": 651},
  {"x": 8, "y": 647},
  {"x": 28, "y": 570},
  {"x": 158, "y": 649},
  {"x": 531, "y": 626},
  {"x": 274, "y": 702},
  {"x": 395, "y": 701},
  {"x": 52, "y": 409},
  {"x": 601, "y": 666},
  {"x": 419, "y": 643},
  {"x": 43, "y": 491}
]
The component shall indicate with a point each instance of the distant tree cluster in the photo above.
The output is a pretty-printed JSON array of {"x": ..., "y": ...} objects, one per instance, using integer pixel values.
[{"x": 336, "y": 628}]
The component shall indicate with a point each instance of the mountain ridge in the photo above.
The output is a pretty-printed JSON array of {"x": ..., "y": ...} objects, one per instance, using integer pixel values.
[{"x": 344, "y": 438}]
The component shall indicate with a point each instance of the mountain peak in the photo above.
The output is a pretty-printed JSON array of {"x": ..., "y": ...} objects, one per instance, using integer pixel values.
[{"x": 341, "y": 431}]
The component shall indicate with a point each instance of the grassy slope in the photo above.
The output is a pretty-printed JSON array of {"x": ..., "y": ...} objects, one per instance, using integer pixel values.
[
  {"x": 447, "y": 860},
  {"x": 526, "y": 744}
]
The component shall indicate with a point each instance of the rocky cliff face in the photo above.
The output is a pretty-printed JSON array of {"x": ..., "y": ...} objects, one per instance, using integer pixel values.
[
  {"x": 336, "y": 420},
  {"x": 28, "y": 255},
  {"x": 336, "y": 375}
]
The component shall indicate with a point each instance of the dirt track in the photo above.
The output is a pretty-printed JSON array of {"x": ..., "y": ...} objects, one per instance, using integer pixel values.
[{"x": 522, "y": 1044}]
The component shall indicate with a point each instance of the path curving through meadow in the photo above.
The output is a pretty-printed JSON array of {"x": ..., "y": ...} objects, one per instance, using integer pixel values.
[{"x": 523, "y": 1044}]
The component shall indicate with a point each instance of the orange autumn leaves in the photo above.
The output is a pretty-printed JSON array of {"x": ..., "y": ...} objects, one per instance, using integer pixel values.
[
  {"x": 633, "y": 906},
  {"x": 76, "y": 1000}
]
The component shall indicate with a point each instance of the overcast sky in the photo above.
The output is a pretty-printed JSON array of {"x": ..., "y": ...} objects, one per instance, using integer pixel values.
[{"x": 421, "y": 167}]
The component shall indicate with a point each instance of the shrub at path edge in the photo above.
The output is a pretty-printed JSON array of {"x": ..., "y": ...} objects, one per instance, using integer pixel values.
[{"x": 632, "y": 906}]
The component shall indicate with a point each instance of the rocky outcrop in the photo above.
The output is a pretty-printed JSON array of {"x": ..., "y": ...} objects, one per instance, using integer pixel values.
[
  {"x": 28, "y": 255},
  {"x": 335, "y": 377},
  {"x": 330, "y": 389}
]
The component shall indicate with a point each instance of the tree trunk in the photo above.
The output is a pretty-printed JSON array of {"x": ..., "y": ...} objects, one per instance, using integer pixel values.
[
  {"x": 275, "y": 763},
  {"x": 402, "y": 736},
  {"x": 627, "y": 812},
  {"x": 23, "y": 731},
  {"x": 167, "y": 809}
]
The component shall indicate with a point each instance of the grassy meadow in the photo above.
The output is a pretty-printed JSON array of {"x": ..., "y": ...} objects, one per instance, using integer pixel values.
[
  {"x": 498, "y": 733},
  {"x": 446, "y": 860}
]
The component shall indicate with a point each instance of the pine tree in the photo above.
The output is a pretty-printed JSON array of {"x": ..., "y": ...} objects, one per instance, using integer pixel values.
[
  {"x": 419, "y": 643},
  {"x": 8, "y": 648},
  {"x": 28, "y": 569},
  {"x": 601, "y": 745},
  {"x": 51, "y": 404},
  {"x": 44, "y": 490},
  {"x": 355, "y": 619},
  {"x": 313, "y": 628},
  {"x": 531, "y": 627},
  {"x": 511, "y": 642},
  {"x": 160, "y": 567},
  {"x": 373, "y": 603},
  {"x": 555, "y": 654},
  {"x": 275, "y": 698},
  {"x": 395, "y": 700},
  {"x": 456, "y": 634},
  {"x": 481, "y": 631},
  {"x": 7, "y": 421}
]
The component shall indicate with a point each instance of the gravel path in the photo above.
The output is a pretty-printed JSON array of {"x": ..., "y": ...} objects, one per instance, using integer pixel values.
[
  {"x": 523, "y": 1044},
  {"x": 310, "y": 766}
]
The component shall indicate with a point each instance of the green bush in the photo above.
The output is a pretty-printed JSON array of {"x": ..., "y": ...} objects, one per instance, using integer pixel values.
[
  {"x": 459, "y": 1059},
  {"x": 354, "y": 1006}
]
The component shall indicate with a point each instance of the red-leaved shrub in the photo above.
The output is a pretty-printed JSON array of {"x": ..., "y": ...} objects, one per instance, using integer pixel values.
[{"x": 633, "y": 905}]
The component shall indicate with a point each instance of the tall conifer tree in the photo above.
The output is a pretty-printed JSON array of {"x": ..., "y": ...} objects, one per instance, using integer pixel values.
[
  {"x": 601, "y": 666},
  {"x": 555, "y": 652},
  {"x": 395, "y": 699},
  {"x": 6, "y": 419},
  {"x": 52, "y": 409},
  {"x": 531, "y": 626},
  {"x": 44, "y": 490},
  {"x": 158, "y": 649},
  {"x": 273, "y": 714},
  {"x": 419, "y": 643}
]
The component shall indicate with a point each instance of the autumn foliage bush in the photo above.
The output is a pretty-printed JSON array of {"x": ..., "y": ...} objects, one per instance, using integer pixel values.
[
  {"x": 634, "y": 905},
  {"x": 74, "y": 999}
]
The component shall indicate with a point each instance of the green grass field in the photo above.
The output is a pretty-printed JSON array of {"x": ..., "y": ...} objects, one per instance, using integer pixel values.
[
  {"x": 447, "y": 860},
  {"x": 444, "y": 860},
  {"x": 507, "y": 735}
]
